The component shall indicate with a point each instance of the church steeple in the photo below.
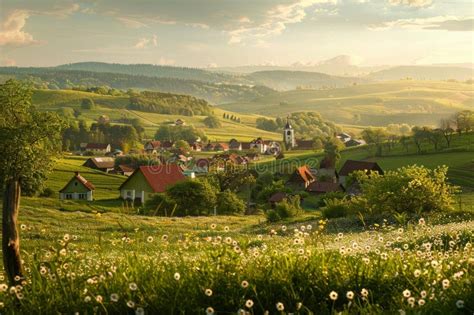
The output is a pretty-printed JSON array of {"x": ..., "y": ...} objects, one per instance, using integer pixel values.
[{"x": 289, "y": 134}]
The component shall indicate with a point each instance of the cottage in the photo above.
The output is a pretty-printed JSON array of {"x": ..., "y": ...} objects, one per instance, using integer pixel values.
[
  {"x": 221, "y": 147},
  {"x": 149, "y": 180},
  {"x": 195, "y": 146},
  {"x": 123, "y": 170},
  {"x": 167, "y": 145},
  {"x": 354, "y": 143},
  {"x": 152, "y": 147},
  {"x": 319, "y": 188},
  {"x": 235, "y": 145},
  {"x": 351, "y": 166},
  {"x": 327, "y": 171},
  {"x": 78, "y": 188},
  {"x": 98, "y": 148},
  {"x": 259, "y": 145},
  {"x": 301, "y": 177},
  {"x": 344, "y": 137},
  {"x": 104, "y": 164},
  {"x": 179, "y": 122}
]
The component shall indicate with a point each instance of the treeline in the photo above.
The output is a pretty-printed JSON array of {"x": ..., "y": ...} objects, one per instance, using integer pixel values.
[
  {"x": 306, "y": 125},
  {"x": 51, "y": 78},
  {"x": 166, "y": 103},
  {"x": 119, "y": 136},
  {"x": 385, "y": 139},
  {"x": 176, "y": 133}
]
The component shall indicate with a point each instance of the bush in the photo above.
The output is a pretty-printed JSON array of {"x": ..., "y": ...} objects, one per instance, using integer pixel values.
[
  {"x": 212, "y": 122},
  {"x": 273, "y": 216},
  {"x": 412, "y": 189},
  {"x": 87, "y": 103},
  {"x": 192, "y": 197},
  {"x": 330, "y": 195},
  {"x": 229, "y": 203},
  {"x": 47, "y": 192},
  {"x": 335, "y": 208},
  {"x": 288, "y": 208}
]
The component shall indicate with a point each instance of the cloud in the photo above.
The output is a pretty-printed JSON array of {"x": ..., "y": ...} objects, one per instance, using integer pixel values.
[
  {"x": 131, "y": 23},
  {"x": 145, "y": 42},
  {"x": 412, "y": 3},
  {"x": 448, "y": 23},
  {"x": 11, "y": 32}
]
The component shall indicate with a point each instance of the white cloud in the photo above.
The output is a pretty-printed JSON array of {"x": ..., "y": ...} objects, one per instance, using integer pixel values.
[
  {"x": 412, "y": 3},
  {"x": 131, "y": 23},
  {"x": 146, "y": 42},
  {"x": 12, "y": 33},
  {"x": 448, "y": 23}
]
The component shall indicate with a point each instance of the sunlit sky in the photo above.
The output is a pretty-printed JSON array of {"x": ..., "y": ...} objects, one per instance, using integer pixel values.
[{"x": 208, "y": 33}]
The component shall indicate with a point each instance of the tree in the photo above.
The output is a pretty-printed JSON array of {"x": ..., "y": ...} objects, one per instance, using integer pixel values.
[
  {"x": 87, "y": 103},
  {"x": 212, "y": 122},
  {"x": 266, "y": 124},
  {"x": 420, "y": 135},
  {"x": 318, "y": 144},
  {"x": 229, "y": 203},
  {"x": 182, "y": 145},
  {"x": 192, "y": 197},
  {"x": 375, "y": 136},
  {"x": 435, "y": 136},
  {"x": 29, "y": 138},
  {"x": 447, "y": 130},
  {"x": 332, "y": 146},
  {"x": 464, "y": 120}
]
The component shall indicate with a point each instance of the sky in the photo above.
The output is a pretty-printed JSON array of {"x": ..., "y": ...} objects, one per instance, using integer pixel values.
[{"x": 218, "y": 33}]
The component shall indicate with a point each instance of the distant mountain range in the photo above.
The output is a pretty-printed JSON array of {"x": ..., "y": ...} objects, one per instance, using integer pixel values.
[{"x": 220, "y": 86}]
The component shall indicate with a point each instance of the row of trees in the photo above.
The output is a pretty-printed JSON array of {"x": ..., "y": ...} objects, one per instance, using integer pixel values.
[
  {"x": 175, "y": 133},
  {"x": 231, "y": 117}
]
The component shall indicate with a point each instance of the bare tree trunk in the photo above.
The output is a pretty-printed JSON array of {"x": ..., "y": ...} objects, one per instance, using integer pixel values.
[{"x": 10, "y": 237}]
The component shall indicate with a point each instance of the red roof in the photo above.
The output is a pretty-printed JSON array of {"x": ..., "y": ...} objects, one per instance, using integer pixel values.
[
  {"x": 155, "y": 144},
  {"x": 305, "y": 173},
  {"x": 324, "y": 187},
  {"x": 160, "y": 176},
  {"x": 352, "y": 166}
]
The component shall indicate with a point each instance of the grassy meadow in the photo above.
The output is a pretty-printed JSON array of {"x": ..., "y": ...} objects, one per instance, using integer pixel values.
[{"x": 378, "y": 104}]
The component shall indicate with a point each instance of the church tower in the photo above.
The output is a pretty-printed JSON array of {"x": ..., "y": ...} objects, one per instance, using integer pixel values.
[{"x": 289, "y": 135}]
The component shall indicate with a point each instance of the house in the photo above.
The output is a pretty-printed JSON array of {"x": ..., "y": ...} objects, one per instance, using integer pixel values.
[
  {"x": 167, "y": 145},
  {"x": 195, "y": 146},
  {"x": 327, "y": 171},
  {"x": 149, "y": 180},
  {"x": 179, "y": 122},
  {"x": 152, "y": 147},
  {"x": 246, "y": 145},
  {"x": 104, "y": 164},
  {"x": 258, "y": 145},
  {"x": 304, "y": 144},
  {"x": 237, "y": 159},
  {"x": 319, "y": 188},
  {"x": 103, "y": 119},
  {"x": 301, "y": 178},
  {"x": 208, "y": 147},
  {"x": 235, "y": 145},
  {"x": 98, "y": 148},
  {"x": 78, "y": 188},
  {"x": 123, "y": 169},
  {"x": 354, "y": 143},
  {"x": 202, "y": 166},
  {"x": 351, "y": 166},
  {"x": 344, "y": 137},
  {"x": 277, "y": 198}
]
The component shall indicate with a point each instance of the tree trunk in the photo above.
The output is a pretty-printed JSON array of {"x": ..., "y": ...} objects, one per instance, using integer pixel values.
[{"x": 10, "y": 237}]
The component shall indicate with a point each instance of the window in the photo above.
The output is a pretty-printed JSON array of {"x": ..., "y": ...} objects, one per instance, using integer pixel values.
[
  {"x": 68, "y": 196},
  {"x": 82, "y": 196},
  {"x": 288, "y": 132}
]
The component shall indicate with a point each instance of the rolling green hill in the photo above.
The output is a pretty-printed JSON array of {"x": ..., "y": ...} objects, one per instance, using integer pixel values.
[
  {"x": 379, "y": 104},
  {"x": 116, "y": 108},
  {"x": 423, "y": 73}
]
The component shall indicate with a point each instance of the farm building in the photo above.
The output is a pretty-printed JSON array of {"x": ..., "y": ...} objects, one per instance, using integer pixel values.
[
  {"x": 152, "y": 147},
  {"x": 235, "y": 145},
  {"x": 104, "y": 164},
  {"x": 276, "y": 198},
  {"x": 98, "y": 148},
  {"x": 149, "y": 180},
  {"x": 123, "y": 170},
  {"x": 304, "y": 144},
  {"x": 301, "y": 178},
  {"x": 78, "y": 188},
  {"x": 351, "y": 166}
]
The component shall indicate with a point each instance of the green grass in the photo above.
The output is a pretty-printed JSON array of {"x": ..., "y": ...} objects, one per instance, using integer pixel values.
[{"x": 412, "y": 102}]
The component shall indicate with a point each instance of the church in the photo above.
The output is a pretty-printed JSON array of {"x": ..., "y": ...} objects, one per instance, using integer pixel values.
[{"x": 291, "y": 142}]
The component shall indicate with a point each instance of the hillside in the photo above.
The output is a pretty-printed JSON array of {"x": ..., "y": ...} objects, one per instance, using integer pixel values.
[
  {"x": 65, "y": 79},
  {"x": 290, "y": 80},
  {"x": 379, "y": 104},
  {"x": 115, "y": 107},
  {"x": 423, "y": 73}
]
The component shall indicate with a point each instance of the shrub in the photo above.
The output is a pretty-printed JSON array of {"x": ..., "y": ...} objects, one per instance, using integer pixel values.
[
  {"x": 87, "y": 103},
  {"x": 330, "y": 195},
  {"x": 412, "y": 189},
  {"x": 212, "y": 122},
  {"x": 192, "y": 197},
  {"x": 335, "y": 208},
  {"x": 272, "y": 216},
  {"x": 229, "y": 203},
  {"x": 47, "y": 192},
  {"x": 288, "y": 208}
]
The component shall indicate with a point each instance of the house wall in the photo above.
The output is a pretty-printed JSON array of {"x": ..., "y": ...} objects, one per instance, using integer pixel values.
[
  {"x": 75, "y": 195},
  {"x": 136, "y": 187}
]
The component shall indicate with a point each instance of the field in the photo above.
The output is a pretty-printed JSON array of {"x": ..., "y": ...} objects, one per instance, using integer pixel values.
[
  {"x": 115, "y": 108},
  {"x": 411, "y": 102}
]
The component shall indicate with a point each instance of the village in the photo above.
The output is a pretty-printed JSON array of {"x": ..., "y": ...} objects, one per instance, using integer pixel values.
[{"x": 163, "y": 165}]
